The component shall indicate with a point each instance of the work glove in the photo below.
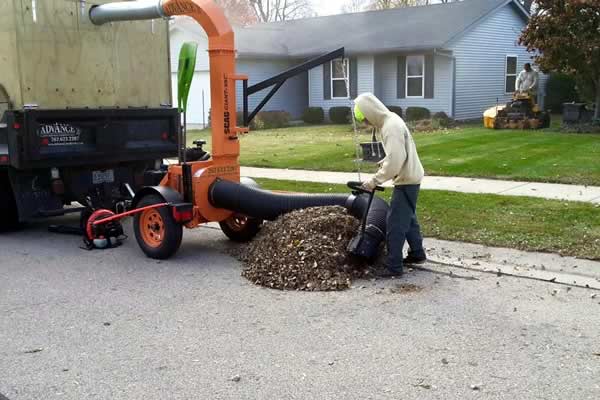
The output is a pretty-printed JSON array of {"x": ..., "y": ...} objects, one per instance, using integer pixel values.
[{"x": 369, "y": 185}]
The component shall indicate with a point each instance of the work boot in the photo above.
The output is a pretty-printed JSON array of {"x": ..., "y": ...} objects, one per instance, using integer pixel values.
[{"x": 412, "y": 259}]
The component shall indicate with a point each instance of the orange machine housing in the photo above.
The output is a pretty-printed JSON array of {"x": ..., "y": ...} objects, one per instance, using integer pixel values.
[{"x": 224, "y": 163}]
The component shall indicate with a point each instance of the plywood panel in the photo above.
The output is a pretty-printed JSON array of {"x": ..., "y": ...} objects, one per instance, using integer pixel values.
[
  {"x": 9, "y": 70},
  {"x": 50, "y": 13},
  {"x": 66, "y": 61},
  {"x": 141, "y": 54},
  {"x": 49, "y": 65}
]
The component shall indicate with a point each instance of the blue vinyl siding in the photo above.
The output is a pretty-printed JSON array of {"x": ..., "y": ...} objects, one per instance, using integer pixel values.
[
  {"x": 378, "y": 74},
  {"x": 386, "y": 68},
  {"x": 480, "y": 62},
  {"x": 291, "y": 97},
  {"x": 366, "y": 83},
  {"x": 178, "y": 36}
]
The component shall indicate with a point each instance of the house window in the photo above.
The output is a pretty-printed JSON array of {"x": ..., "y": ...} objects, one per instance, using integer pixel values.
[
  {"x": 340, "y": 75},
  {"x": 511, "y": 73},
  {"x": 415, "y": 76}
]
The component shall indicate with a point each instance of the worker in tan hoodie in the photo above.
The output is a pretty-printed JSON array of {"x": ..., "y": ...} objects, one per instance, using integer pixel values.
[{"x": 402, "y": 165}]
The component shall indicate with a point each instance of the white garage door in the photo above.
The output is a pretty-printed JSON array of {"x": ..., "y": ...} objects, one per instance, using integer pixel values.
[{"x": 199, "y": 99}]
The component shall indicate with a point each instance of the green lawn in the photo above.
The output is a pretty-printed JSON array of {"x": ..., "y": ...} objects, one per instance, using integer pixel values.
[
  {"x": 515, "y": 222},
  {"x": 472, "y": 151}
]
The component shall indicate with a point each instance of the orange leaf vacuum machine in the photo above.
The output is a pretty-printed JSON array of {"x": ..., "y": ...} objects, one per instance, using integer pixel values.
[{"x": 209, "y": 189}]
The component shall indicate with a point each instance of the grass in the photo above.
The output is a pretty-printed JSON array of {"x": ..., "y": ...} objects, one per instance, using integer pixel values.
[
  {"x": 516, "y": 222},
  {"x": 471, "y": 151}
]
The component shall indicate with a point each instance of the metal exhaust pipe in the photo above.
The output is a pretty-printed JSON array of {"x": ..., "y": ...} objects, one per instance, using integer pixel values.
[{"x": 127, "y": 11}]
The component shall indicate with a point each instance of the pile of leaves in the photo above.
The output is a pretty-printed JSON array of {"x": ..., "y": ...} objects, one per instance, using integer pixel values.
[{"x": 305, "y": 250}]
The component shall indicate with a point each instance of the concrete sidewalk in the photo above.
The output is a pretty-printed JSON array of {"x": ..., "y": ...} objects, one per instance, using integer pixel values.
[{"x": 589, "y": 194}]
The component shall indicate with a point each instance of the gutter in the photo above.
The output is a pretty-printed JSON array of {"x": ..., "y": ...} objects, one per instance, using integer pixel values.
[{"x": 377, "y": 51}]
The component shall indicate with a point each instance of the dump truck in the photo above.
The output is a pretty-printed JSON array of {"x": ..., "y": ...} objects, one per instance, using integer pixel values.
[{"x": 86, "y": 113}]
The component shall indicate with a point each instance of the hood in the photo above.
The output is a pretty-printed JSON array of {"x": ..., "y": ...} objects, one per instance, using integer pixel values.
[{"x": 373, "y": 109}]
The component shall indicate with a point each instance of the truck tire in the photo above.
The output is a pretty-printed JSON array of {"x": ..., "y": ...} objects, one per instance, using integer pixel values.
[
  {"x": 9, "y": 213},
  {"x": 240, "y": 228},
  {"x": 156, "y": 231}
]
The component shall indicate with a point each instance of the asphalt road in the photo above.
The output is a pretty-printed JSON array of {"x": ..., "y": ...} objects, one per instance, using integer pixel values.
[{"x": 115, "y": 325}]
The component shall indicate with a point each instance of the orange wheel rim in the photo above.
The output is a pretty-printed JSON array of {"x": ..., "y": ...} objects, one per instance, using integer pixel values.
[
  {"x": 152, "y": 228},
  {"x": 237, "y": 222}
]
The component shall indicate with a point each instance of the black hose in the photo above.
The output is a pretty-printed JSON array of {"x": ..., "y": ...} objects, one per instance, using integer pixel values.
[
  {"x": 258, "y": 203},
  {"x": 377, "y": 217},
  {"x": 366, "y": 244},
  {"x": 247, "y": 198}
]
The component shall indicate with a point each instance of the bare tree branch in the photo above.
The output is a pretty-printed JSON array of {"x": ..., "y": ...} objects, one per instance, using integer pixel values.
[
  {"x": 281, "y": 10},
  {"x": 353, "y": 6},
  {"x": 239, "y": 12}
]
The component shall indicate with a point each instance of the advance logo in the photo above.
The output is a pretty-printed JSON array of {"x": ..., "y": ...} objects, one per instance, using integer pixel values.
[{"x": 59, "y": 134}]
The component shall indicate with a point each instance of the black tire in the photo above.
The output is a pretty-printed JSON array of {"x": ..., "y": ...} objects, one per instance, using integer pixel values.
[
  {"x": 171, "y": 232},
  {"x": 9, "y": 213},
  {"x": 546, "y": 119},
  {"x": 241, "y": 229}
]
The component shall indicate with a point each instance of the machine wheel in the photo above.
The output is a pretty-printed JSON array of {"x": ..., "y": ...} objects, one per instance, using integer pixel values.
[
  {"x": 9, "y": 213},
  {"x": 156, "y": 231},
  {"x": 545, "y": 120},
  {"x": 240, "y": 228},
  {"x": 84, "y": 216}
]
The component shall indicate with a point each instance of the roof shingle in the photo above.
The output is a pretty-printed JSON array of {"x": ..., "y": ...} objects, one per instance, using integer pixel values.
[{"x": 410, "y": 28}]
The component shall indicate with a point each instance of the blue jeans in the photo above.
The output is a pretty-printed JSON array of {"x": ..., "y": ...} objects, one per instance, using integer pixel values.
[{"x": 402, "y": 225}]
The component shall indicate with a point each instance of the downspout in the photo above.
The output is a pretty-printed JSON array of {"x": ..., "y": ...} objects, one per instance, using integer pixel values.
[{"x": 453, "y": 59}]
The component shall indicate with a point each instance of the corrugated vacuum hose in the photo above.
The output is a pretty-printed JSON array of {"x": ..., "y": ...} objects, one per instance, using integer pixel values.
[{"x": 253, "y": 205}]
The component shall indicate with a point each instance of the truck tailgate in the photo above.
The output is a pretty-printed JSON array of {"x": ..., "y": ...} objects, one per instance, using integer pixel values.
[{"x": 99, "y": 136}]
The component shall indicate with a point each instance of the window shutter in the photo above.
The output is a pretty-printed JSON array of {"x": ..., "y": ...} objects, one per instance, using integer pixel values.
[
  {"x": 353, "y": 78},
  {"x": 327, "y": 81},
  {"x": 429, "y": 75},
  {"x": 401, "y": 77}
]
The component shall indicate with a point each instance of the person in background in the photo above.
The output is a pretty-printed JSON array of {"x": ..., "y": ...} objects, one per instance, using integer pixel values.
[
  {"x": 402, "y": 165},
  {"x": 527, "y": 81}
]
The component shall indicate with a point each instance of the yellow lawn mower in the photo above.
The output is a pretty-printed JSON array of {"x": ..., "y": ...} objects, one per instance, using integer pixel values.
[{"x": 520, "y": 113}]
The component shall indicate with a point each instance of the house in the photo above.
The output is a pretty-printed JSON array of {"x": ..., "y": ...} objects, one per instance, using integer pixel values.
[{"x": 460, "y": 58}]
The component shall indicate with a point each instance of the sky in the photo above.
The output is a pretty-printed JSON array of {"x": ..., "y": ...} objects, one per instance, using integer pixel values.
[{"x": 329, "y": 7}]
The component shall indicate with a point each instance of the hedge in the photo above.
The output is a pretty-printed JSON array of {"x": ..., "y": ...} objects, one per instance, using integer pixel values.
[
  {"x": 417, "y": 113},
  {"x": 313, "y": 115},
  {"x": 395, "y": 110},
  {"x": 267, "y": 120},
  {"x": 560, "y": 89},
  {"x": 443, "y": 120},
  {"x": 340, "y": 115}
]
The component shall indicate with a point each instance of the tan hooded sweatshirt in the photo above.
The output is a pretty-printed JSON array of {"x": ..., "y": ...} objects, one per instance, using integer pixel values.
[{"x": 402, "y": 162}]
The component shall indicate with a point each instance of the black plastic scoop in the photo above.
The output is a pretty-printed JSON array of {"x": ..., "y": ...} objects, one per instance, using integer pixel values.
[{"x": 355, "y": 246}]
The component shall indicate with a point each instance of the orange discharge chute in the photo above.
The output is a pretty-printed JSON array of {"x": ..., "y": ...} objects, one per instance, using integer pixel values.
[{"x": 225, "y": 144}]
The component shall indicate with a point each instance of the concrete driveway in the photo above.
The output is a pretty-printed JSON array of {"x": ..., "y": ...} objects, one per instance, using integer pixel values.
[{"x": 115, "y": 325}]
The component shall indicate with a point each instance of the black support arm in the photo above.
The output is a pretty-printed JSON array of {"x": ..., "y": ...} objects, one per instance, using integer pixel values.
[{"x": 280, "y": 79}]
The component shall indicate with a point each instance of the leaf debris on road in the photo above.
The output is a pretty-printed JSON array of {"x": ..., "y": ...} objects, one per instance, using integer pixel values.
[{"x": 305, "y": 250}]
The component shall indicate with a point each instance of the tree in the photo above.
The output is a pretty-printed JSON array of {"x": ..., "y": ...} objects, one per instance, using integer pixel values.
[
  {"x": 527, "y": 4},
  {"x": 564, "y": 35},
  {"x": 281, "y": 10},
  {"x": 238, "y": 12},
  {"x": 385, "y": 4},
  {"x": 353, "y": 6}
]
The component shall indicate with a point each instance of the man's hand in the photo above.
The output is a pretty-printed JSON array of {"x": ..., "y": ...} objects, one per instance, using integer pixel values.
[{"x": 369, "y": 186}]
